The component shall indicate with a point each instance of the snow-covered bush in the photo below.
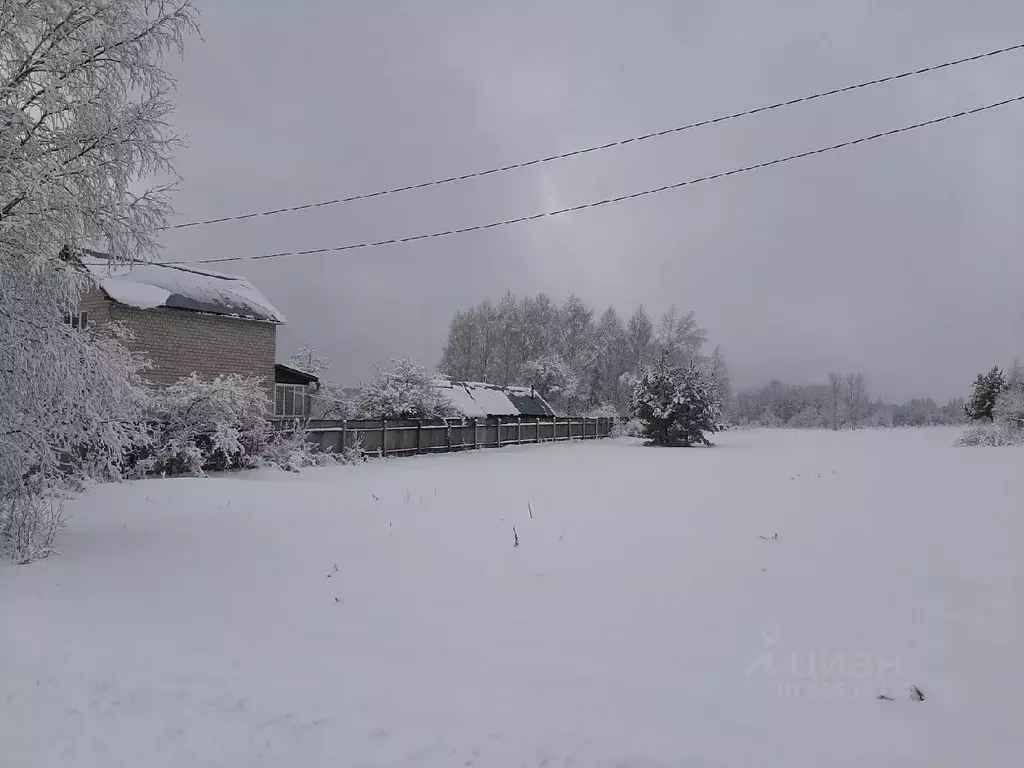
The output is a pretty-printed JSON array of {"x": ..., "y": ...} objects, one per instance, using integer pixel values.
[
  {"x": 403, "y": 390},
  {"x": 676, "y": 405},
  {"x": 989, "y": 434},
  {"x": 292, "y": 450},
  {"x": 71, "y": 408},
  {"x": 809, "y": 417},
  {"x": 213, "y": 424}
]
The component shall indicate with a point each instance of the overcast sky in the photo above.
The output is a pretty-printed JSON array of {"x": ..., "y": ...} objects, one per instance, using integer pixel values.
[{"x": 901, "y": 258}]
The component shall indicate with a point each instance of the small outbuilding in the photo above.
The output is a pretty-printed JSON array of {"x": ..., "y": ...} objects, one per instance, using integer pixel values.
[{"x": 477, "y": 399}]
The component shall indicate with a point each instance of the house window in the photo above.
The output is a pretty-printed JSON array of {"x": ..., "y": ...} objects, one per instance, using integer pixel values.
[
  {"x": 291, "y": 401},
  {"x": 77, "y": 319}
]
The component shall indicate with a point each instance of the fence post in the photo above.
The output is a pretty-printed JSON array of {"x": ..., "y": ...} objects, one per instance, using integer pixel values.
[
  {"x": 476, "y": 432},
  {"x": 519, "y": 430},
  {"x": 497, "y": 432},
  {"x": 344, "y": 433},
  {"x": 419, "y": 435},
  {"x": 384, "y": 437}
]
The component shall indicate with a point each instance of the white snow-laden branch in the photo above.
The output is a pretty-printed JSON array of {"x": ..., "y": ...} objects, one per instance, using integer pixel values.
[
  {"x": 84, "y": 108},
  {"x": 201, "y": 424},
  {"x": 403, "y": 390},
  {"x": 72, "y": 407},
  {"x": 310, "y": 360},
  {"x": 84, "y": 125}
]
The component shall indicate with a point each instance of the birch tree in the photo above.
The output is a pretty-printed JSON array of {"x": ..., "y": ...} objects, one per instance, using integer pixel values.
[
  {"x": 84, "y": 121},
  {"x": 856, "y": 398},
  {"x": 639, "y": 340},
  {"x": 835, "y": 398}
]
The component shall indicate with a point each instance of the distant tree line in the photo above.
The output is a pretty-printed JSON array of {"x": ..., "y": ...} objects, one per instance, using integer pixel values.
[
  {"x": 839, "y": 403},
  {"x": 580, "y": 361}
]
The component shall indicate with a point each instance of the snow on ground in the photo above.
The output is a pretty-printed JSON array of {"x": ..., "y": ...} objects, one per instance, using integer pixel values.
[{"x": 642, "y": 621}]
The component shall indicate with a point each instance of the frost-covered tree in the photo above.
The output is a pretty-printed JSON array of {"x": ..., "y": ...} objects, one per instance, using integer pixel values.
[
  {"x": 331, "y": 402},
  {"x": 84, "y": 108},
  {"x": 459, "y": 353},
  {"x": 639, "y": 341},
  {"x": 493, "y": 343},
  {"x": 855, "y": 399},
  {"x": 835, "y": 399},
  {"x": 680, "y": 337},
  {"x": 983, "y": 395},
  {"x": 327, "y": 401},
  {"x": 576, "y": 321},
  {"x": 72, "y": 405},
  {"x": 403, "y": 390},
  {"x": 550, "y": 377},
  {"x": 511, "y": 339},
  {"x": 472, "y": 352},
  {"x": 539, "y": 327},
  {"x": 675, "y": 405},
  {"x": 1008, "y": 409},
  {"x": 1014, "y": 378},
  {"x": 718, "y": 371},
  {"x": 309, "y": 360},
  {"x": 84, "y": 112},
  {"x": 607, "y": 360}
]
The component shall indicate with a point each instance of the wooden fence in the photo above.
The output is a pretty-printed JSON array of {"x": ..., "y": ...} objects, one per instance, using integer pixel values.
[{"x": 406, "y": 437}]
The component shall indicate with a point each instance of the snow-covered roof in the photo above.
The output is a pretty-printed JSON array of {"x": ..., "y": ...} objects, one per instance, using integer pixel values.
[
  {"x": 476, "y": 399},
  {"x": 146, "y": 286},
  {"x": 455, "y": 392}
]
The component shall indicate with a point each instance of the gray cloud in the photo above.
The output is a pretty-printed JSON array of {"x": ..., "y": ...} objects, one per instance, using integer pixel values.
[{"x": 900, "y": 258}]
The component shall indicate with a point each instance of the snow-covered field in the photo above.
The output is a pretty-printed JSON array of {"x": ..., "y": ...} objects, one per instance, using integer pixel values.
[{"x": 380, "y": 615}]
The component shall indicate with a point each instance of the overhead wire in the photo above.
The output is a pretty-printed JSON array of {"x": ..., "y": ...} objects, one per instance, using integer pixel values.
[
  {"x": 601, "y": 147},
  {"x": 610, "y": 200}
]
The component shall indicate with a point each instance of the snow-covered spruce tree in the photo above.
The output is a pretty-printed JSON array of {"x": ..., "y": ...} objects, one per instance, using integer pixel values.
[
  {"x": 675, "y": 405},
  {"x": 983, "y": 395},
  {"x": 403, "y": 390},
  {"x": 83, "y": 120}
]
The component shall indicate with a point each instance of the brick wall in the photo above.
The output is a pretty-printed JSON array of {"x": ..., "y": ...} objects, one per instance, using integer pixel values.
[
  {"x": 180, "y": 341},
  {"x": 96, "y": 303}
]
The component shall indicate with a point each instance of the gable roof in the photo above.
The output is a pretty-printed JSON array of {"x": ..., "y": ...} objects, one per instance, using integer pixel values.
[
  {"x": 476, "y": 399},
  {"x": 150, "y": 285},
  {"x": 286, "y": 374}
]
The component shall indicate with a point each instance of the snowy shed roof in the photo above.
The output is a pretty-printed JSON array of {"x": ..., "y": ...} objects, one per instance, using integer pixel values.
[
  {"x": 476, "y": 399},
  {"x": 146, "y": 286},
  {"x": 528, "y": 402}
]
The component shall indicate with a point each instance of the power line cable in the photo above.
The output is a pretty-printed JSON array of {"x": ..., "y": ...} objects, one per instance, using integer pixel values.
[
  {"x": 610, "y": 200},
  {"x": 601, "y": 147}
]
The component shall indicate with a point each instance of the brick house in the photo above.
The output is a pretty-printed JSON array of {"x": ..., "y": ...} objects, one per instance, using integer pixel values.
[{"x": 187, "y": 319}]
